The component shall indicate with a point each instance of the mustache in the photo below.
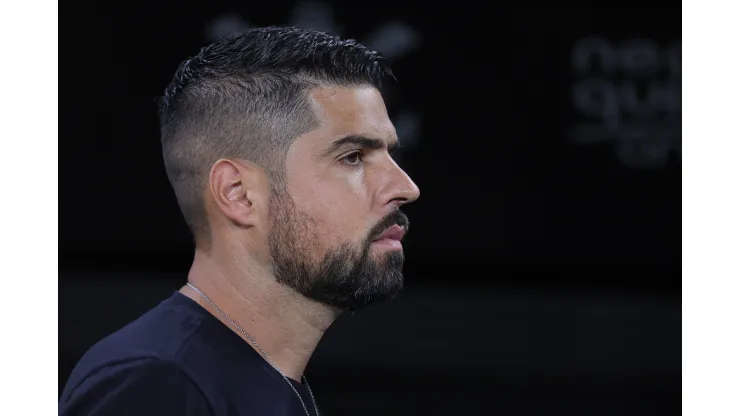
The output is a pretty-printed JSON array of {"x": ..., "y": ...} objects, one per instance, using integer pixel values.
[{"x": 394, "y": 218}]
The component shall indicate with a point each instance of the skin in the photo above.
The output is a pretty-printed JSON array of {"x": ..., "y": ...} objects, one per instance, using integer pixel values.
[{"x": 337, "y": 200}]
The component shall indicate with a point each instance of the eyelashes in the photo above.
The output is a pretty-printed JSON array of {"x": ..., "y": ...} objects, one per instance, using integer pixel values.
[
  {"x": 357, "y": 158},
  {"x": 353, "y": 159}
]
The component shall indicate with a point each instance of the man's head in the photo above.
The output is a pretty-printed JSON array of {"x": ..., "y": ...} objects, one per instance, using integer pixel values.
[{"x": 277, "y": 140}]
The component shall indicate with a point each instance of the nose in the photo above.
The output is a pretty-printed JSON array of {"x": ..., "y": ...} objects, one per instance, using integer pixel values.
[{"x": 401, "y": 189}]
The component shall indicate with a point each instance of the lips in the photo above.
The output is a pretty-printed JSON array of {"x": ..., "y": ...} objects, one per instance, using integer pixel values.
[{"x": 395, "y": 232}]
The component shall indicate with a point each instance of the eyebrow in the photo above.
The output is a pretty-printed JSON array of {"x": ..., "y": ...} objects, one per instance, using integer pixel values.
[{"x": 366, "y": 142}]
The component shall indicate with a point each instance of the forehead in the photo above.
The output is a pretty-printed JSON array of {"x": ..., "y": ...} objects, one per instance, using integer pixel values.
[{"x": 345, "y": 111}]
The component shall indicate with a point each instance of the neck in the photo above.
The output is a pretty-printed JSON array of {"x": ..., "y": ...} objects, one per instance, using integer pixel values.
[{"x": 287, "y": 325}]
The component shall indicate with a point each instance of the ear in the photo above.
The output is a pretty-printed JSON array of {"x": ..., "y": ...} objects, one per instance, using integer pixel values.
[{"x": 234, "y": 189}]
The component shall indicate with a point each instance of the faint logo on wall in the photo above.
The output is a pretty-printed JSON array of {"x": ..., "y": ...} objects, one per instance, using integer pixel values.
[
  {"x": 628, "y": 94},
  {"x": 394, "y": 40}
]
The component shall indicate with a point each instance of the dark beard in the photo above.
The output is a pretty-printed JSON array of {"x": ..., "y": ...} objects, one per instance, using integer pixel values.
[{"x": 347, "y": 277}]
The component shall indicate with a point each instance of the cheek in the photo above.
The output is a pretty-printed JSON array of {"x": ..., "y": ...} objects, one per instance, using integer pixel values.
[{"x": 339, "y": 208}]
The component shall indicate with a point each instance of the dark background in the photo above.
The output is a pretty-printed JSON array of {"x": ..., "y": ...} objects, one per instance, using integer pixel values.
[{"x": 543, "y": 266}]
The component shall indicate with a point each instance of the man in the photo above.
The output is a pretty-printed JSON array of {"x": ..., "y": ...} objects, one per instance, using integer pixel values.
[{"x": 277, "y": 144}]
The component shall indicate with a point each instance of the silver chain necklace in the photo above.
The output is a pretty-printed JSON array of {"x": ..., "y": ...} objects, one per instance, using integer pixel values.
[{"x": 264, "y": 354}]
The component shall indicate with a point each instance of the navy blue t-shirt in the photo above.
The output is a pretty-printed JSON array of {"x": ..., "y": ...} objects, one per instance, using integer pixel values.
[{"x": 178, "y": 359}]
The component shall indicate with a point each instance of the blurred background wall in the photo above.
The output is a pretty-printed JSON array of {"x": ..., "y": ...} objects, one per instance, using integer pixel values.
[{"x": 543, "y": 267}]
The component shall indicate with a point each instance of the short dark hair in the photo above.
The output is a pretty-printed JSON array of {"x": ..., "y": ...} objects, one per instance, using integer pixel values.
[{"x": 246, "y": 96}]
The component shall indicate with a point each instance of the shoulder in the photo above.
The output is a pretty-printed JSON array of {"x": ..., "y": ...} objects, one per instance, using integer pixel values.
[
  {"x": 140, "y": 386},
  {"x": 141, "y": 360},
  {"x": 164, "y": 331}
]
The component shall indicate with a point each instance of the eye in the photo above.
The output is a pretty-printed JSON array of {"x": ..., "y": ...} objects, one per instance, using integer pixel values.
[{"x": 352, "y": 159}]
